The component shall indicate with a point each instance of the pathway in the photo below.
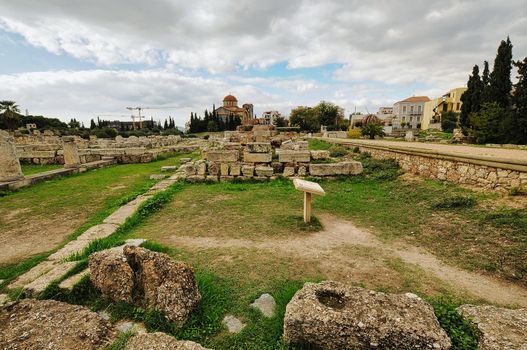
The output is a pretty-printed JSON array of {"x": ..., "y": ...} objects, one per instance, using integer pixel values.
[{"x": 340, "y": 233}]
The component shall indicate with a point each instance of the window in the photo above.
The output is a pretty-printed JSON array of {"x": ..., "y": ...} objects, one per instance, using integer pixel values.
[
  {"x": 419, "y": 109},
  {"x": 411, "y": 119},
  {"x": 418, "y": 119},
  {"x": 404, "y": 109},
  {"x": 411, "y": 109}
]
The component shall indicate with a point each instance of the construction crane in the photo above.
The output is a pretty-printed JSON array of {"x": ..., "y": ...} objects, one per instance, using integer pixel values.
[{"x": 139, "y": 109}]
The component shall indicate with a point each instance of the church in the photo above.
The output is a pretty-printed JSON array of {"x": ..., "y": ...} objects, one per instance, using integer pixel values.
[{"x": 230, "y": 108}]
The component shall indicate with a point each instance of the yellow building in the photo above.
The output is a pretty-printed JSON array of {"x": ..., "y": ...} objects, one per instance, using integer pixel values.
[{"x": 451, "y": 101}]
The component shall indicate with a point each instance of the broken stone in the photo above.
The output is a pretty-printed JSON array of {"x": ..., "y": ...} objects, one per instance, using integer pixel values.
[
  {"x": 500, "y": 328},
  {"x": 224, "y": 169},
  {"x": 234, "y": 325},
  {"x": 289, "y": 171},
  {"x": 111, "y": 274},
  {"x": 157, "y": 177},
  {"x": 222, "y": 155},
  {"x": 319, "y": 154},
  {"x": 235, "y": 170},
  {"x": 169, "y": 168},
  {"x": 49, "y": 324},
  {"x": 71, "y": 281},
  {"x": 266, "y": 304},
  {"x": 331, "y": 315},
  {"x": 125, "y": 326},
  {"x": 184, "y": 160},
  {"x": 160, "y": 341},
  {"x": 4, "y": 298},
  {"x": 333, "y": 169},
  {"x": 163, "y": 283},
  {"x": 201, "y": 167},
  {"x": 302, "y": 171},
  {"x": 71, "y": 152},
  {"x": 259, "y": 147}
]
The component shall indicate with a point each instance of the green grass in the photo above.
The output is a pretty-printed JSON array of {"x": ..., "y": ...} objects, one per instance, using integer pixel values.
[
  {"x": 86, "y": 199},
  {"x": 30, "y": 169}
]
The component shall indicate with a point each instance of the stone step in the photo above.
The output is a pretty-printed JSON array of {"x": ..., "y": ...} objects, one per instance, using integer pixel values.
[
  {"x": 120, "y": 215},
  {"x": 31, "y": 275},
  {"x": 81, "y": 242},
  {"x": 38, "y": 285},
  {"x": 70, "y": 282}
]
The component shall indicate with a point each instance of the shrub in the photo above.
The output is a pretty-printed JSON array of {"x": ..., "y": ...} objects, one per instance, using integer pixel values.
[
  {"x": 356, "y": 149},
  {"x": 372, "y": 129},
  {"x": 354, "y": 133},
  {"x": 337, "y": 151}
]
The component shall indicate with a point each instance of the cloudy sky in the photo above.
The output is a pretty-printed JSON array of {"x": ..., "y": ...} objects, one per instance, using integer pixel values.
[{"x": 69, "y": 58}]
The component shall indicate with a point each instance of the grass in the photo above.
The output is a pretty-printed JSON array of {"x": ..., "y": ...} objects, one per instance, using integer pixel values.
[
  {"x": 80, "y": 200},
  {"x": 30, "y": 169}
]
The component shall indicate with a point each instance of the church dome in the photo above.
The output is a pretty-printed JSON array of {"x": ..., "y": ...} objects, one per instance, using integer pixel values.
[{"x": 230, "y": 98}]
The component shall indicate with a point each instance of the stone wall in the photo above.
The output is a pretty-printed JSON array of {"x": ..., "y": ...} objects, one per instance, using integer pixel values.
[{"x": 468, "y": 171}]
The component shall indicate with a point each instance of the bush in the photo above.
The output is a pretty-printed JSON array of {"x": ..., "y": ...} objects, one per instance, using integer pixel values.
[
  {"x": 354, "y": 133},
  {"x": 337, "y": 151},
  {"x": 372, "y": 129},
  {"x": 449, "y": 121}
]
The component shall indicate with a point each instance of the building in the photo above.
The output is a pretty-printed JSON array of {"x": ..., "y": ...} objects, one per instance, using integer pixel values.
[
  {"x": 385, "y": 110},
  {"x": 269, "y": 117},
  {"x": 409, "y": 112},
  {"x": 449, "y": 102},
  {"x": 230, "y": 108}
]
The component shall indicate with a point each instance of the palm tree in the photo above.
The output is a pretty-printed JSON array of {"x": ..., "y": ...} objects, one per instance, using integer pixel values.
[
  {"x": 9, "y": 111},
  {"x": 372, "y": 129}
]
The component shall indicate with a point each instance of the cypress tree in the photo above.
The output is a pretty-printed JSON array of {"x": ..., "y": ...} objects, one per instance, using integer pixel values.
[
  {"x": 92, "y": 124},
  {"x": 500, "y": 84},
  {"x": 519, "y": 100},
  {"x": 471, "y": 98}
]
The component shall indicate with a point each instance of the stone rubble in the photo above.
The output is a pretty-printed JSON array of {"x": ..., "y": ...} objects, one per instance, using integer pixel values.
[
  {"x": 160, "y": 341},
  {"x": 233, "y": 324},
  {"x": 266, "y": 304}
]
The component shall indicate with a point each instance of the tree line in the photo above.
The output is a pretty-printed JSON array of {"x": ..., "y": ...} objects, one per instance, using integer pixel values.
[
  {"x": 212, "y": 122},
  {"x": 494, "y": 110},
  {"x": 324, "y": 113}
]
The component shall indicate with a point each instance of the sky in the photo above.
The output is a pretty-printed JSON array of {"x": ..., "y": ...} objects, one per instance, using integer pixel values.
[{"x": 83, "y": 59}]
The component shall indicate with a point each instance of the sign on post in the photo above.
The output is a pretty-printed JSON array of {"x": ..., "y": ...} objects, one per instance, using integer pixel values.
[{"x": 308, "y": 188}]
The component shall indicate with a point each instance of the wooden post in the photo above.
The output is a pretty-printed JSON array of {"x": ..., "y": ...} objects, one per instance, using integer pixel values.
[
  {"x": 307, "y": 207},
  {"x": 309, "y": 188}
]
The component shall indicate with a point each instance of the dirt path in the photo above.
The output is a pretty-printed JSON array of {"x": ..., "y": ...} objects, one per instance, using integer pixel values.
[{"x": 340, "y": 233}]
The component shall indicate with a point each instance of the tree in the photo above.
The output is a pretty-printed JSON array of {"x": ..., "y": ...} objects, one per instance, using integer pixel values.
[
  {"x": 92, "y": 124},
  {"x": 280, "y": 122},
  {"x": 500, "y": 84},
  {"x": 372, "y": 129},
  {"x": 9, "y": 111},
  {"x": 305, "y": 118},
  {"x": 519, "y": 101},
  {"x": 449, "y": 121},
  {"x": 486, "y": 122},
  {"x": 471, "y": 99},
  {"x": 74, "y": 124},
  {"x": 328, "y": 113}
]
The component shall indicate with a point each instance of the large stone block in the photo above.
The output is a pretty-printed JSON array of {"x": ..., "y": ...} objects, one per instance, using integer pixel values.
[
  {"x": 223, "y": 155},
  {"x": 294, "y": 145},
  {"x": 263, "y": 170},
  {"x": 224, "y": 169},
  {"x": 10, "y": 169},
  {"x": 259, "y": 147},
  {"x": 257, "y": 157},
  {"x": 334, "y": 169},
  {"x": 331, "y": 315},
  {"x": 248, "y": 170},
  {"x": 291, "y": 156},
  {"x": 235, "y": 170}
]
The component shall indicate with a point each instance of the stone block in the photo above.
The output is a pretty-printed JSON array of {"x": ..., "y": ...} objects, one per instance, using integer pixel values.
[
  {"x": 290, "y": 156},
  {"x": 223, "y": 155},
  {"x": 224, "y": 169},
  {"x": 289, "y": 171},
  {"x": 248, "y": 170},
  {"x": 263, "y": 170},
  {"x": 294, "y": 146},
  {"x": 333, "y": 169},
  {"x": 320, "y": 154},
  {"x": 259, "y": 147},
  {"x": 257, "y": 157},
  {"x": 235, "y": 170},
  {"x": 201, "y": 167},
  {"x": 214, "y": 169},
  {"x": 169, "y": 168},
  {"x": 302, "y": 170}
]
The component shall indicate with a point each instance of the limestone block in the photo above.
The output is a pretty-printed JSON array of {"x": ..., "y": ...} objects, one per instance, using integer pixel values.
[
  {"x": 263, "y": 170},
  {"x": 294, "y": 146},
  {"x": 289, "y": 171},
  {"x": 10, "y": 169},
  {"x": 248, "y": 170},
  {"x": 320, "y": 154},
  {"x": 235, "y": 170},
  {"x": 214, "y": 169},
  {"x": 257, "y": 157},
  {"x": 222, "y": 155},
  {"x": 224, "y": 169},
  {"x": 332, "y": 169},
  {"x": 259, "y": 147},
  {"x": 290, "y": 156},
  {"x": 302, "y": 170},
  {"x": 201, "y": 166}
]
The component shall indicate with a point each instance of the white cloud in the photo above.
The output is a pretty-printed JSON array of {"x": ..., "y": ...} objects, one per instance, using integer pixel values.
[{"x": 431, "y": 45}]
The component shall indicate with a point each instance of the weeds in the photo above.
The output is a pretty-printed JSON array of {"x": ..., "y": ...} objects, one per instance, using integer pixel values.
[{"x": 455, "y": 202}]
